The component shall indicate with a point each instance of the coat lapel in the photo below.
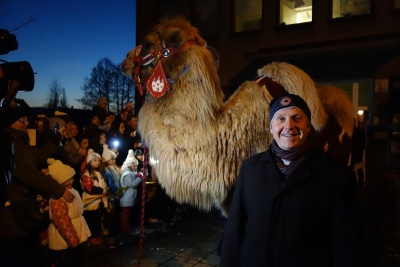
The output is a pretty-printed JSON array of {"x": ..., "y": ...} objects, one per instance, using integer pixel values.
[
  {"x": 274, "y": 180},
  {"x": 271, "y": 176}
]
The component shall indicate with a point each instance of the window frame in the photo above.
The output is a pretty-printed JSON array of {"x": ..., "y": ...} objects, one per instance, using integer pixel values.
[{"x": 282, "y": 24}]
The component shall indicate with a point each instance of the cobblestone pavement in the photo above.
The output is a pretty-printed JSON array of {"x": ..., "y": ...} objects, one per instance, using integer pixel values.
[{"x": 188, "y": 238}]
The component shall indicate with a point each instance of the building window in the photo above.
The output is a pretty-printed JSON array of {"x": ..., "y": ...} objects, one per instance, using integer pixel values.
[
  {"x": 349, "y": 8},
  {"x": 247, "y": 15},
  {"x": 295, "y": 11}
]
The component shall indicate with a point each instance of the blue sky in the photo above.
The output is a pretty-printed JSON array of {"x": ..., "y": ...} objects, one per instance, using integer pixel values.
[{"x": 67, "y": 39}]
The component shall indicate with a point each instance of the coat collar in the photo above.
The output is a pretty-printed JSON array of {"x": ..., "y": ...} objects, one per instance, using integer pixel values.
[
  {"x": 266, "y": 156},
  {"x": 300, "y": 174}
]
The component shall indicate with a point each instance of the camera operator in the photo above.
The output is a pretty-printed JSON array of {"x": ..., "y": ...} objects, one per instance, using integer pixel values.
[
  {"x": 19, "y": 233},
  {"x": 16, "y": 243},
  {"x": 22, "y": 182}
]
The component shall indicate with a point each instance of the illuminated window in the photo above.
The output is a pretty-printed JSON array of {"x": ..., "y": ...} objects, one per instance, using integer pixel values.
[
  {"x": 295, "y": 11},
  {"x": 349, "y": 8},
  {"x": 247, "y": 15}
]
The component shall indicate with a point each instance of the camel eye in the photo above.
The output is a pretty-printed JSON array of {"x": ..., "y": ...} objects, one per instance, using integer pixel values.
[{"x": 147, "y": 46}]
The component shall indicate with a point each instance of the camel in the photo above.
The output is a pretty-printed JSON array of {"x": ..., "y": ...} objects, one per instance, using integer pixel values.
[{"x": 198, "y": 140}]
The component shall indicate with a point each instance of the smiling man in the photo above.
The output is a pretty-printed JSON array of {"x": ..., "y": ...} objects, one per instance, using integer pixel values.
[
  {"x": 290, "y": 122},
  {"x": 293, "y": 205}
]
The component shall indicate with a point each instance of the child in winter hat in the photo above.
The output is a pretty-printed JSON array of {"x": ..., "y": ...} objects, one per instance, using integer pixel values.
[
  {"x": 92, "y": 155},
  {"x": 108, "y": 154},
  {"x": 112, "y": 176},
  {"x": 129, "y": 161},
  {"x": 68, "y": 228},
  {"x": 111, "y": 171},
  {"x": 60, "y": 172},
  {"x": 94, "y": 193},
  {"x": 130, "y": 180}
]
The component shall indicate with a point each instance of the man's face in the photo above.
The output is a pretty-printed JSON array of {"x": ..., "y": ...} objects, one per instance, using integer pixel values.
[
  {"x": 21, "y": 124},
  {"x": 123, "y": 114},
  {"x": 121, "y": 128},
  {"x": 103, "y": 105},
  {"x": 290, "y": 128},
  {"x": 71, "y": 129},
  {"x": 133, "y": 123},
  {"x": 129, "y": 106},
  {"x": 74, "y": 130}
]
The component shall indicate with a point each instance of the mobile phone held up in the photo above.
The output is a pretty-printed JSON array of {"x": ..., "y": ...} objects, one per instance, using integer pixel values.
[{"x": 56, "y": 128}]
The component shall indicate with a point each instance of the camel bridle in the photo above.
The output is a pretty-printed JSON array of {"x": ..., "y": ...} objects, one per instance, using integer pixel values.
[{"x": 140, "y": 61}]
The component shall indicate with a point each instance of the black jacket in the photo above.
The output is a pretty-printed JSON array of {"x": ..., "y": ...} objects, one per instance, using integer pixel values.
[
  {"x": 309, "y": 219},
  {"x": 26, "y": 178}
]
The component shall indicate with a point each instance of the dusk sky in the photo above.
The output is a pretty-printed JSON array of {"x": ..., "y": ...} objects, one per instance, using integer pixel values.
[{"x": 67, "y": 39}]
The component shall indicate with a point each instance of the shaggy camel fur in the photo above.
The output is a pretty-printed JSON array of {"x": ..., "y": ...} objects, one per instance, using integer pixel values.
[{"x": 197, "y": 140}]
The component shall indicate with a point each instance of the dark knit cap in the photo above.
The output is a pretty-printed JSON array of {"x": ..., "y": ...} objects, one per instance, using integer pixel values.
[
  {"x": 11, "y": 114},
  {"x": 288, "y": 101}
]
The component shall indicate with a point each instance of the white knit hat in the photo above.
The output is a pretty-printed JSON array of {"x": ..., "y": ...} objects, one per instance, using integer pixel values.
[
  {"x": 59, "y": 171},
  {"x": 92, "y": 155},
  {"x": 130, "y": 159},
  {"x": 107, "y": 153}
]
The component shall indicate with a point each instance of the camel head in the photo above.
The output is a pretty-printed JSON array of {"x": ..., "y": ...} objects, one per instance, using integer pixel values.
[{"x": 157, "y": 63}]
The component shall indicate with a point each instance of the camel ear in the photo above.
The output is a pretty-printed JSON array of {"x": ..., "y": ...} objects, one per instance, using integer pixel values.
[{"x": 175, "y": 39}]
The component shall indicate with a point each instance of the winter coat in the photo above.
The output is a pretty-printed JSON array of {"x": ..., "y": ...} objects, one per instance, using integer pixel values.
[
  {"x": 68, "y": 227},
  {"x": 112, "y": 176},
  {"x": 310, "y": 219},
  {"x": 92, "y": 194},
  {"x": 27, "y": 179},
  {"x": 132, "y": 181}
]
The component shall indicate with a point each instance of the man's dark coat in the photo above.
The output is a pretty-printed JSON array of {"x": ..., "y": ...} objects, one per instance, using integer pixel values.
[{"x": 309, "y": 219}]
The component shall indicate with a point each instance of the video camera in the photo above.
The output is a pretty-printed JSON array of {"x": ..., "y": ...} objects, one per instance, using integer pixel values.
[{"x": 14, "y": 76}]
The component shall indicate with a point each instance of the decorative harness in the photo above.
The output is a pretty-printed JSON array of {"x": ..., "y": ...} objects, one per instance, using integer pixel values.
[{"x": 158, "y": 83}]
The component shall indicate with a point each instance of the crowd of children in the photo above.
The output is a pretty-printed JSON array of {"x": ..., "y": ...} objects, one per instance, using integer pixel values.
[
  {"x": 86, "y": 177},
  {"x": 105, "y": 193}
]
